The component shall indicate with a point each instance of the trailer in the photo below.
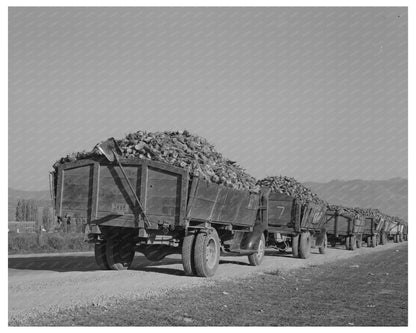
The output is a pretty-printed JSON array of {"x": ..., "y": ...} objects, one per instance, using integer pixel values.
[
  {"x": 396, "y": 231},
  {"x": 373, "y": 228},
  {"x": 405, "y": 231},
  {"x": 157, "y": 209},
  {"x": 289, "y": 223},
  {"x": 344, "y": 228}
]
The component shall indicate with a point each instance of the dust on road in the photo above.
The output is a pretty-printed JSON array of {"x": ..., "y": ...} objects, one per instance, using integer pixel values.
[{"x": 50, "y": 282}]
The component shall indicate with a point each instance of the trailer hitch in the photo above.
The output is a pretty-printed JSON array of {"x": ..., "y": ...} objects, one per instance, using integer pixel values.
[{"x": 112, "y": 152}]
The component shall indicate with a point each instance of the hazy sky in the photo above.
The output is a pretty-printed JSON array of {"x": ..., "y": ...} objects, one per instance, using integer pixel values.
[{"x": 313, "y": 93}]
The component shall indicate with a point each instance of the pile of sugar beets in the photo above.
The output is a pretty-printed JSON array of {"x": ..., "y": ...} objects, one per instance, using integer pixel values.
[
  {"x": 199, "y": 157},
  {"x": 358, "y": 212}
]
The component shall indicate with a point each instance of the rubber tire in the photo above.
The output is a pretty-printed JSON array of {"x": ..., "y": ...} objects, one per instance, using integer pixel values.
[
  {"x": 383, "y": 239},
  {"x": 400, "y": 238},
  {"x": 200, "y": 253},
  {"x": 305, "y": 245},
  {"x": 322, "y": 249},
  {"x": 348, "y": 243},
  {"x": 373, "y": 241},
  {"x": 353, "y": 243},
  {"x": 100, "y": 255},
  {"x": 120, "y": 252},
  {"x": 333, "y": 244},
  {"x": 254, "y": 259},
  {"x": 188, "y": 255},
  {"x": 295, "y": 246},
  {"x": 359, "y": 242}
]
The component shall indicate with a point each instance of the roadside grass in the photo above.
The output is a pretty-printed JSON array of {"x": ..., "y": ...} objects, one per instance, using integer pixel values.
[
  {"x": 19, "y": 243},
  {"x": 367, "y": 290}
]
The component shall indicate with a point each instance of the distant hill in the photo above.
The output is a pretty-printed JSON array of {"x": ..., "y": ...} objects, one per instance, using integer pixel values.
[
  {"x": 42, "y": 199},
  {"x": 390, "y": 196}
]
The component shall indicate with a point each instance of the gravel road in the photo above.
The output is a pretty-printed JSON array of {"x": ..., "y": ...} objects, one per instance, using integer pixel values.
[{"x": 49, "y": 282}]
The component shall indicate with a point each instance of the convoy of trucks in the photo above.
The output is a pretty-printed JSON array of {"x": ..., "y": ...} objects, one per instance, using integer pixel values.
[{"x": 138, "y": 205}]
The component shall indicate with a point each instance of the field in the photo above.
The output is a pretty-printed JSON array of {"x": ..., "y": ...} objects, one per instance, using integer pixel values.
[{"x": 366, "y": 287}]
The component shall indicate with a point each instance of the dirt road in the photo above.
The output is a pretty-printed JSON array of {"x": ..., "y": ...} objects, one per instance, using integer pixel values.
[{"x": 49, "y": 282}]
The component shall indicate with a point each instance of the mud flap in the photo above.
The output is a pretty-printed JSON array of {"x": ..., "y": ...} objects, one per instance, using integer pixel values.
[
  {"x": 250, "y": 240},
  {"x": 157, "y": 252}
]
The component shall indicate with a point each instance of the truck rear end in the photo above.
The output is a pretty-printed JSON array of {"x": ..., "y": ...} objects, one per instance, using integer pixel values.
[
  {"x": 287, "y": 220},
  {"x": 344, "y": 228}
]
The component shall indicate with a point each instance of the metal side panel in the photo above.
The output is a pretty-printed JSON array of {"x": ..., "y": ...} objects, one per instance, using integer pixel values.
[
  {"x": 218, "y": 204},
  {"x": 344, "y": 225},
  {"x": 369, "y": 226},
  {"x": 203, "y": 202},
  {"x": 76, "y": 189},
  {"x": 358, "y": 225},
  {"x": 281, "y": 211},
  {"x": 330, "y": 223},
  {"x": 165, "y": 198}
]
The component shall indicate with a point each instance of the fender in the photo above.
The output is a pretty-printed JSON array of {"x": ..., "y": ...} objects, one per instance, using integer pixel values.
[{"x": 251, "y": 240}]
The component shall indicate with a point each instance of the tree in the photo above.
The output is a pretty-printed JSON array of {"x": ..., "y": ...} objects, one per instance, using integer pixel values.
[
  {"x": 20, "y": 214},
  {"x": 26, "y": 210},
  {"x": 47, "y": 218}
]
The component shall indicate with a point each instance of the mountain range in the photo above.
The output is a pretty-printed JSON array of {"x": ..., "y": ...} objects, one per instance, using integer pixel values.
[{"x": 390, "y": 196}]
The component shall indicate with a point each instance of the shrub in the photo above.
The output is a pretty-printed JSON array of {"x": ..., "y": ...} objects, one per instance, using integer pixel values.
[
  {"x": 23, "y": 242},
  {"x": 47, "y": 242},
  {"x": 55, "y": 241}
]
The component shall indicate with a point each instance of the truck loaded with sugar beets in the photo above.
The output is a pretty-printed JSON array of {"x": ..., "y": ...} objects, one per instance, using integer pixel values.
[
  {"x": 289, "y": 222},
  {"x": 345, "y": 226},
  {"x": 135, "y": 204},
  {"x": 168, "y": 193}
]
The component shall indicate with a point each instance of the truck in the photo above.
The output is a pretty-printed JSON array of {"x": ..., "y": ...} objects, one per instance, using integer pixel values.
[
  {"x": 396, "y": 230},
  {"x": 176, "y": 212},
  {"x": 373, "y": 230},
  {"x": 344, "y": 228},
  {"x": 287, "y": 222}
]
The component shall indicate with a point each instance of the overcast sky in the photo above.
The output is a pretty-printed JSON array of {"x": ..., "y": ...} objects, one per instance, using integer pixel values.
[{"x": 313, "y": 93}]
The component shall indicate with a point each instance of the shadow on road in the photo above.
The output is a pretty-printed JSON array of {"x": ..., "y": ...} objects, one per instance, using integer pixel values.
[
  {"x": 86, "y": 263},
  {"x": 78, "y": 263}
]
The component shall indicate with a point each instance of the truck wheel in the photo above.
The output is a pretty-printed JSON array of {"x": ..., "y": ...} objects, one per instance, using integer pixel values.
[
  {"x": 100, "y": 256},
  {"x": 322, "y": 249},
  {"x": 359, "y": 242},
  {"x": 255, "y": 259},
  {"x": 207, "y": 253},
  {"x": 305, "y": 245},
  {"x": 295, "y": 246},
  {"x": 373, "y": 241},
  {"x": 120, "y": 252},
  {"x": 348, "y": 243},
  {"x": 188, "y": 255},
  {"x": 353, "y": 243},
  {"x": 333, "y": 243},
  {"x": 400, "y": 238}
]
